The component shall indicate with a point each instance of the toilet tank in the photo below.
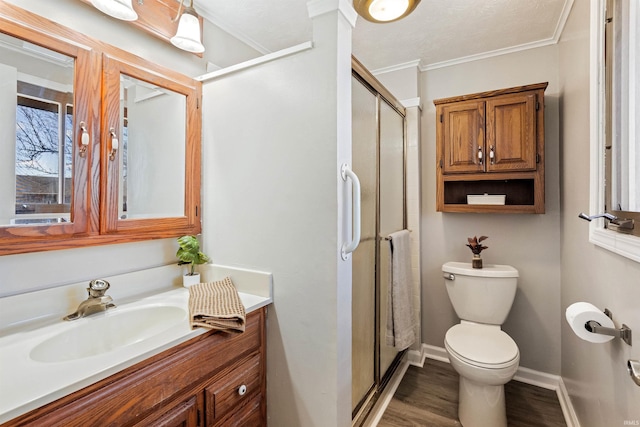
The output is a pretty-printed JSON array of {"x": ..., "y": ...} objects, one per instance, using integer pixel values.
[{"x": 482, "y": 295}]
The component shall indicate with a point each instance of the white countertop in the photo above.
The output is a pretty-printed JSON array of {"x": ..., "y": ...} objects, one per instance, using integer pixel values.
[{"x": 26, "y": 384}]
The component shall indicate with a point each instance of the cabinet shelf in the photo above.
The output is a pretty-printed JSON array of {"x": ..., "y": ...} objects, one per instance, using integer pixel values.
[
  {"x": 517, "y": 191},
  {"x": 501, "y": 209}
]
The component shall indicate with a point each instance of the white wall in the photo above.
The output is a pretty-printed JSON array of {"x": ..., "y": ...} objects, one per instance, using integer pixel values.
[
  {"x": 275, "y": 136},
  {"x": 601, "y": 390},
  {"x": 404, "y": 83},
  {"x": 530, "y": 243}
]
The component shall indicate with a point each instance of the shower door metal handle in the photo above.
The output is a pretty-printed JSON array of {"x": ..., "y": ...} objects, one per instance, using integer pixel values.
[{"x": 347, "y": 248}]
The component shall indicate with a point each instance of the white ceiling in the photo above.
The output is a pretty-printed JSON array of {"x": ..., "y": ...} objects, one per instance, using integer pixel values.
[{"x": 438, "y": 32}]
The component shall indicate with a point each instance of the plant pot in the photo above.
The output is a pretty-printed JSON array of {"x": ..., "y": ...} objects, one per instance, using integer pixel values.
[
  {"x": 476, "y": 261},
  {"x": 190, "y": 280}
]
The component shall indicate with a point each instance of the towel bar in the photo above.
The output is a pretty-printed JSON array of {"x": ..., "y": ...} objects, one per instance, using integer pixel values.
[
  {"x": 366, "y": 239},
  {"x": 388, "y": 238}
]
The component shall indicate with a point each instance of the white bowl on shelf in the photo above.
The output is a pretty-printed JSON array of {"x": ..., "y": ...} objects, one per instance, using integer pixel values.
[{"x": 486, "y": 199}]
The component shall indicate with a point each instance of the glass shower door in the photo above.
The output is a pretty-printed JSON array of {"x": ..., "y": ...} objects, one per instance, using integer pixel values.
[
  {"x": 378, "y": 159},
  {"x": 391, "y": 212},
  {"x": 364, "y": 160}
]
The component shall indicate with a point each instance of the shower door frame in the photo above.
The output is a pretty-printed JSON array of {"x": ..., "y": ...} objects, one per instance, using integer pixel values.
[{"x": 362, "y": 409}]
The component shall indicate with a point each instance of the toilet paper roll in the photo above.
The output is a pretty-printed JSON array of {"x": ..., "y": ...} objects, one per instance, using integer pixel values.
[{"x": 579, "y": 313}]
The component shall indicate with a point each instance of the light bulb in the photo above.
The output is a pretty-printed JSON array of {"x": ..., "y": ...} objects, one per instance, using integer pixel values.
[
  {"x": 188, "y": 35},
  {"x": 387, "y": 10},
  {"x": 120, "y": 9}
]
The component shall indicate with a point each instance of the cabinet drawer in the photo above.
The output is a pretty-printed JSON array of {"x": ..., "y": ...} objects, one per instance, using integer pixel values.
[
  {"x": 235, "y": 387},
  {"x": 250, "y": 415},
  {"x": 184, "y": 414}
]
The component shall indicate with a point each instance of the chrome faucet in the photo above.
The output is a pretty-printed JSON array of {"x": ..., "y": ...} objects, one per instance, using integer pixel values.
[{"x": 96, "y": 302}]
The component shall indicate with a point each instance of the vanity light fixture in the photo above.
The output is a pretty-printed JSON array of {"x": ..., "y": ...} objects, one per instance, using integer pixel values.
[
  {"x": 188, "y": 35},
  {"x": 121, "y": 9},
  {"x": 381, "y": 11}
]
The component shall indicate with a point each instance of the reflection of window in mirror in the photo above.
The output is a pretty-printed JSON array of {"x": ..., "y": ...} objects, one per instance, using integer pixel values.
[
  {"x": 36, "y": 125},
  {"x": 622, "y": 110},
  {"x": 43, "y": 154}
]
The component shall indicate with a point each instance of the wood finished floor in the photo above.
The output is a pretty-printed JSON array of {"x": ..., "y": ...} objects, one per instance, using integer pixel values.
[{"x": 428, "y": 396}]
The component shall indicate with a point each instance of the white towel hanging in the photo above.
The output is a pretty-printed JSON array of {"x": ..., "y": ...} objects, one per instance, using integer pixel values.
[{"x": 401, "y": 318}]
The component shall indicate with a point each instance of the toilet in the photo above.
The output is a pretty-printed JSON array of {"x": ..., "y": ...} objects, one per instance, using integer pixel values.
[{"x": 484, "y": 356}]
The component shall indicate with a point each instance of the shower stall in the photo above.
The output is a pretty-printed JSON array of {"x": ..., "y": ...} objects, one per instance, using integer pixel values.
[{"x": 379, "y": 160}]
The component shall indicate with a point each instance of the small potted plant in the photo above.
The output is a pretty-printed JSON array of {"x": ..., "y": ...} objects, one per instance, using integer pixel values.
[
  {"x": 189, "y": 254},
  {"x": 476, "y": 247}
]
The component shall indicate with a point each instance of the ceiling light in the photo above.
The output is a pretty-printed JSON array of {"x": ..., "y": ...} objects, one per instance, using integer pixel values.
[
  {"x": 121, "y": 9},
  {"x": 188, "y": 35},
  {"x": 384, "y": 10}
]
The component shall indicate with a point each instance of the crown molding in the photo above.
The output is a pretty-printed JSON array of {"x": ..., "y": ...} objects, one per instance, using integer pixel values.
[
  {"x": 397, "y": 67},
  {"x": 203, "y": 9},
  {"x": 564, "y": 16},
  {"x": 490, "y": 54}
]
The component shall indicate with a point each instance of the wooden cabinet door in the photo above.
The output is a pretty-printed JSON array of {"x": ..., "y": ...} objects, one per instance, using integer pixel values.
[
  {"x": 151, "y": 133},
  {"x": 462, "y": 136},
  {"x": 46, "y": 104},
  {"x": 511, "y": 133},
  {"x": 184, "y": 414}
]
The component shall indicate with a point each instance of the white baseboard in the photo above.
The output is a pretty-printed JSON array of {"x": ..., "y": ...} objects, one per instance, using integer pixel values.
[
  {"x": 435, "y": 353},
  {"x": 570, "y": 416},
  {"x": 537, "y": 378},
  {"x": 416, "y": 357},
  {"x": 524, "y": 375}
]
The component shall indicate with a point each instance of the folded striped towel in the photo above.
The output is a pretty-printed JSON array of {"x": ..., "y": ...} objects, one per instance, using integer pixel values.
[{"x": 216, "y": 305}]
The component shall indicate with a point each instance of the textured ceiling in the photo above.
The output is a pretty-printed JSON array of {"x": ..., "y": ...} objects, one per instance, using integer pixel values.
[{"x": 437, "y": 32}]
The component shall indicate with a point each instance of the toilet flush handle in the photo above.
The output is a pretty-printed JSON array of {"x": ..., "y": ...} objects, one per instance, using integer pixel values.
[{"x": 449, "y": 276}]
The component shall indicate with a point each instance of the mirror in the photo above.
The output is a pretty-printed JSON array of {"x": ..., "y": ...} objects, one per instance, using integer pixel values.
[
  {"x": 150, "y": 150},
  {"x": 622, "y": 103},
  {"x": 36, "y": 133},
  {"x": 151, "y": 153},
  {"x": 99, "y": 146}
]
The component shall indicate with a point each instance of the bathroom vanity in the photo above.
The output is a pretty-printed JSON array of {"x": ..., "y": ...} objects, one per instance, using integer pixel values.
[
  {"x": 214, "y": 379},
  {"x": 139, "y": 363}
]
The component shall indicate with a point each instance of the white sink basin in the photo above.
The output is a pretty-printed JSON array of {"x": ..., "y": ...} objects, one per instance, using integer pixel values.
[{"x": 105, "y": 332}]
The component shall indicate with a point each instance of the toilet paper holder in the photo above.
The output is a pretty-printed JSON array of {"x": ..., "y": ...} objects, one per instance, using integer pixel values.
[
  {"x": 624, "y": 332},
  {"x": 634, "y": 370}
]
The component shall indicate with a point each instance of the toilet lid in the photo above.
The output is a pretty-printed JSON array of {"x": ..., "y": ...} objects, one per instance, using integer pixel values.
[{"x": 482, "y": 345}]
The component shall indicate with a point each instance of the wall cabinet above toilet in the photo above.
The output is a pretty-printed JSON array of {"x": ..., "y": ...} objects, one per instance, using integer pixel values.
[{"x": 491, "y": 143}]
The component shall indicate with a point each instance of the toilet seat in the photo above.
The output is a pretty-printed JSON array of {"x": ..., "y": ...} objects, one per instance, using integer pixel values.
[{"x": 484, "y": 346}]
